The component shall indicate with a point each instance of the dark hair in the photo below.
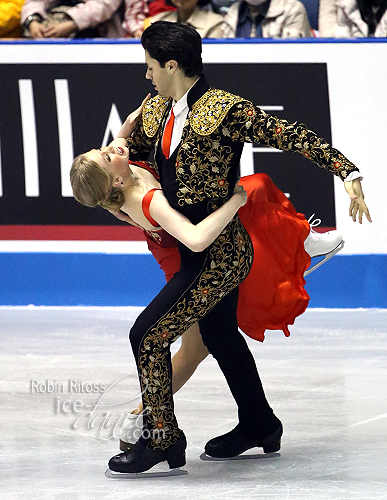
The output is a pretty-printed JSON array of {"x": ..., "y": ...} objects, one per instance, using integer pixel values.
[
  {"x": 370, "y": 15},
  {"x": 165, "y": 41},
  {"x": 201, "y": 3}
]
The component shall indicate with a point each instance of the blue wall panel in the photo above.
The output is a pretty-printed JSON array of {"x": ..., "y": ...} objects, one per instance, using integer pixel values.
[
  {"x": 349, "y": 281},
  {"x": 121, "y": 280},
  {"x": 78, "y": 279}
]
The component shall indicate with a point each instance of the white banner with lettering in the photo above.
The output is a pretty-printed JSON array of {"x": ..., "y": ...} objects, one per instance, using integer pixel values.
[{"x": 356, "y": 75}]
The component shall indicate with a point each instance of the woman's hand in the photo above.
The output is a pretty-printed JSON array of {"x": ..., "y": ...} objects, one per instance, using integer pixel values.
[
  {"x": 130, "y": 123},
  {"x": 241, "y": 193},
  {"x": 60, "y": 30},
  {"x": 36, "y": 29},
  {"x": 357, "y": 205}
]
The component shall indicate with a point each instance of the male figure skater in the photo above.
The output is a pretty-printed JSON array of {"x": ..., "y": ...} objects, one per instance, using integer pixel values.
[{"x": 198, "y": 135}]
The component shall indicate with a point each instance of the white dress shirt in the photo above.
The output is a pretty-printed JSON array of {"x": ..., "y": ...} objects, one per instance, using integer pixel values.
[{"x": 180, "y": 111}]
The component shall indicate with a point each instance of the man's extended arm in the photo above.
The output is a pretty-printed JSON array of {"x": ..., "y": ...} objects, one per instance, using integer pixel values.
[{"x": 249, "y": 123}]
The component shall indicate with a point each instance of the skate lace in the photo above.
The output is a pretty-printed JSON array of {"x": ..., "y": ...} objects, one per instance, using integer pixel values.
[{"x": 313, "y": 223}]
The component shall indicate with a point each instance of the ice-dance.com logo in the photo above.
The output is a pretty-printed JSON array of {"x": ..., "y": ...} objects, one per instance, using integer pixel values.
[{"x": 109, "y": 415}]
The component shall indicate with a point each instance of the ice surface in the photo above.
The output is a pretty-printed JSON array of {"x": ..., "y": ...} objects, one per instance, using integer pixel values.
[{"x": 327, "y": 383}]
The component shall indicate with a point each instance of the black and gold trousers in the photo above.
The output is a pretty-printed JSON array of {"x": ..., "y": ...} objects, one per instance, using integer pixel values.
[{"x": 205, "y": 290}]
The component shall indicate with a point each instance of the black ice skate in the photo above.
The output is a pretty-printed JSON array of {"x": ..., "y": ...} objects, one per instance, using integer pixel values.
[
  {"x": 230, "y": 446},
  {"x": 138, "y": 460}
]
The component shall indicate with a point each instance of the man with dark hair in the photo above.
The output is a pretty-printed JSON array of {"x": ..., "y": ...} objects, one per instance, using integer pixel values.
[
  {"x": 160, "y": 45},
  {"x": 197, "y": 134}
]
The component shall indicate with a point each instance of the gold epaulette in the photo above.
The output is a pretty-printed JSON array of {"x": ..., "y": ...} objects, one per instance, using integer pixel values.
[
  {"x": 152, "y": 114},
  {"x": 209, "y": 111}
]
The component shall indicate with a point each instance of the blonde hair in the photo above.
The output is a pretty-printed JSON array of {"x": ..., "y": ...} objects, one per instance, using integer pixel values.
[{"x": 93, "y": 186}]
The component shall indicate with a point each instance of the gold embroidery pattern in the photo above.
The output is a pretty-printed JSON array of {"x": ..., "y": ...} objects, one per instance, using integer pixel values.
[
  {"x": 209, "y": 111},
  {"x": 236, "y": 119},
  {"x": 209, "y": 158},
  {"x": 248, "y": 123},
  {"x": 228, "y": 262},
  {"x": 154, "y": 235},
  {"x": 202, "y": 167},
  {"x": 139, "y": 144},
  {"x": 153, "y": 113}
]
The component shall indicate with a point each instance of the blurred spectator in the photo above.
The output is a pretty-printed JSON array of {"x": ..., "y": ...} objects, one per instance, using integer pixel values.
[
  {"x": 196, "y": 13},
  {"x": 72, "y": 18},
  {"x": 269, "y": 19},
  {"x": 136, "y": 11},
  {"x": 312, "y": 11},
  {"x": 10, "y": 18},
  {"x": 327, "y": 18},
  {"x": 353, "y": 18},
  {"x": 221, "y": 6},
  {"x": 361, "y": 18},
  {"x": 382, "y": 27}
]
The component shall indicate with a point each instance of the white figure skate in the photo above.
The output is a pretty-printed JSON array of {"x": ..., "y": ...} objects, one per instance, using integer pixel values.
[{"x": 322, "y": 244}]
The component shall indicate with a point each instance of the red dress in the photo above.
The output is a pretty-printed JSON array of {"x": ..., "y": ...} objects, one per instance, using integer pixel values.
[{"x": 273, "y": 294}]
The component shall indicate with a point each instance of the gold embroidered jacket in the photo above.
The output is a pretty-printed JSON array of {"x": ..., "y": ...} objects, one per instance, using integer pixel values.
[{"x": 217, "y": 125}]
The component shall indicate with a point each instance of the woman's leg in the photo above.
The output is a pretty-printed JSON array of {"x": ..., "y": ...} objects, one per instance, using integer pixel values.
[{"x": 191, "y": 353}]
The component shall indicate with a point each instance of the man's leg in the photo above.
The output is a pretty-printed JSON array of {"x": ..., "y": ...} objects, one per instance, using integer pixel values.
[
  {"x": 179, "y": 304},
  {"x": 184, "y": 363},
  {"x": 257, "y": 421}
]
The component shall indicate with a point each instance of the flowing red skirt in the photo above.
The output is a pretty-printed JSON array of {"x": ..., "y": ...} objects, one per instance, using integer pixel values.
[{"x": 273, "y": 294}]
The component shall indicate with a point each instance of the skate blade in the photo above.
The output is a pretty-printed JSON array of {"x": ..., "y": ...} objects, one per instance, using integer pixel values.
[
  {"x": 326, "y": 257},
  {"x": 135, "y": 475},
  {"x": 254, "y": 456}
]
